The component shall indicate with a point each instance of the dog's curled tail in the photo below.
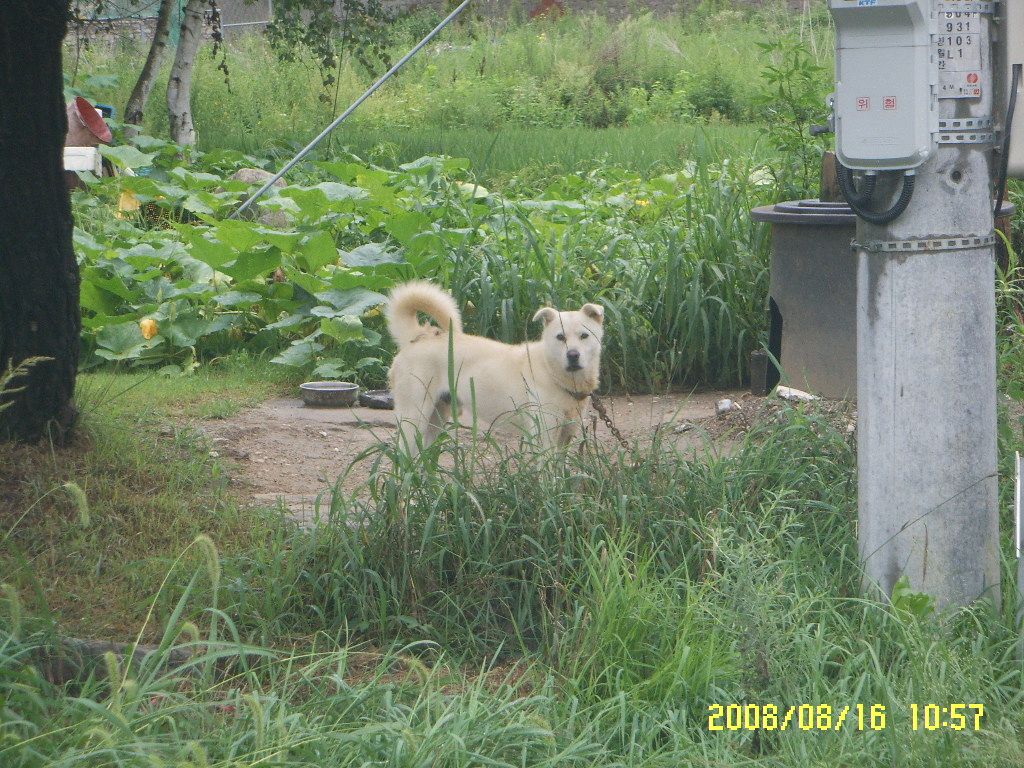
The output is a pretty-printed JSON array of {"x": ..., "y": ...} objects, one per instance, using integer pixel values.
[{"x": 419, "y": 296}]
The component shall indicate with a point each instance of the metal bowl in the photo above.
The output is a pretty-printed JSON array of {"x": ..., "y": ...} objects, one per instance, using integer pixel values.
[{"x": 329, "y": 394}]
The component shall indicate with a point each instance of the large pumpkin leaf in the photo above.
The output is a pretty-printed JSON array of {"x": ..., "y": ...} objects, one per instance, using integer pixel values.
[
  {"x": 252, "y": 263},
  {"x": 342, "y": 329},
  {"x": 300, "y": 353},
  {"x": 371, "y": 255},
  {"x": 126, "y": 156},
  {"x": 123, "y": 341},
  {"x": 187, "y": 330},
  {"x": 318, "y": 251},
  {"x": 351, "y": 302}
]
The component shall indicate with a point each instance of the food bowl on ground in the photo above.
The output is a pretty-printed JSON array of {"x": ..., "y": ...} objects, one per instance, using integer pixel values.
[
  {"x": 329, "y": 394},
  {"x": 377, "y": 398}
]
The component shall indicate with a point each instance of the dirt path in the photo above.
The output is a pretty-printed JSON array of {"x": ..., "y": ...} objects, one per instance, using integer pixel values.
[{"x": 285, "y": 453}]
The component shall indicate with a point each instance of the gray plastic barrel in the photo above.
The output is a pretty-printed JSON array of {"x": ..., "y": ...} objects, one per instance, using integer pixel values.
[{"x": 813, "y": 296}]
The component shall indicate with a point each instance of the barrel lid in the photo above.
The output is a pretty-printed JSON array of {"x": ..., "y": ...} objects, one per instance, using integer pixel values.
[
  {"x": 810, "y": 212},
  {"x": 824, "y": 213}
]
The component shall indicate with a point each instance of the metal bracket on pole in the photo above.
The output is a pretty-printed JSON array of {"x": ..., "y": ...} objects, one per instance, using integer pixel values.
[
  {"x": 973, "y": 130},
  {"x": 965, "y": 6},
  {"x": 928, "y": 244},
  {"x": 337, "y": 121}
]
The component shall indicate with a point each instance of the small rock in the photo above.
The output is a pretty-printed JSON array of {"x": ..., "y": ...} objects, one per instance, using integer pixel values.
[
  {"x": 254, "y": 176},
  {"x": 795, "y": 395}
]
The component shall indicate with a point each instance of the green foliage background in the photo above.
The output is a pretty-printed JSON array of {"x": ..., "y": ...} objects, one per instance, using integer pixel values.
[
  {"x": 479, "y": 606},
  {"x": 670, "y": 250}
]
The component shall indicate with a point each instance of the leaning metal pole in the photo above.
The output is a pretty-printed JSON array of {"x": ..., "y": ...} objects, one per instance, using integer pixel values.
[
  {"x": 338, "y": 120},
  {"x": 926, "y": 369}
]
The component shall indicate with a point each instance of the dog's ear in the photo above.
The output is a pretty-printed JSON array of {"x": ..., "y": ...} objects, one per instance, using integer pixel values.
[
  {"x": 547, "y": 314},
  {"x": 594, "y": 312}
]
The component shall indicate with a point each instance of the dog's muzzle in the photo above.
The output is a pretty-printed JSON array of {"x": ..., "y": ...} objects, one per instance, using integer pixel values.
[{"x": 572, "y": 361}]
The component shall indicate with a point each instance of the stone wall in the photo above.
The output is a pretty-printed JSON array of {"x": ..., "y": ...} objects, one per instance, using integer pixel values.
[
  {"x": 238, "y": 17},
  {"x": 235, "y": 12},
  {"x": 524, "y": 8}
]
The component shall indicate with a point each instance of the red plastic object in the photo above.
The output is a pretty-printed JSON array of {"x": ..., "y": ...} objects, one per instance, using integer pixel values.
[{"x": 91, "y": 119}]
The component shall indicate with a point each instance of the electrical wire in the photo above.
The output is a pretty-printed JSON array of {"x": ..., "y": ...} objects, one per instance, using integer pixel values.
[
  {"x": 867, "y": 190},
  {"x": 1007, "y": 124},
  {"x": 337, "y": 121},
  {"x": 859, "y": 199}
]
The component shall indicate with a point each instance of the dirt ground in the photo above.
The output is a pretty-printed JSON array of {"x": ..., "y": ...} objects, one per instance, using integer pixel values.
[{"x": 285, "y": 453}]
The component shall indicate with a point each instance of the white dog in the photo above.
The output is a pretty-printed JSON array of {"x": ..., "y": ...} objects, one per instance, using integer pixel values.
[{"x": 546, "y": 383}]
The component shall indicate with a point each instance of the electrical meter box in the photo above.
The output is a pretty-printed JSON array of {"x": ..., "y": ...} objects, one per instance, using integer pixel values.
[{"x": 885, "y": 103}]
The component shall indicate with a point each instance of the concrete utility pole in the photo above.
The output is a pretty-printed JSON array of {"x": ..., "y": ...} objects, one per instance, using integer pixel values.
[{"x": 926, "y": 371}]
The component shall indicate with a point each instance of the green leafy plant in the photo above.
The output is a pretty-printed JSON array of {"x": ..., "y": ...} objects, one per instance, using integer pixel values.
[
  {"x": 793, "y": 99},
  {"x": 910, "y": 602},
  {"x": 328, "y": 30},
  {"x": 178, "y": 281}
]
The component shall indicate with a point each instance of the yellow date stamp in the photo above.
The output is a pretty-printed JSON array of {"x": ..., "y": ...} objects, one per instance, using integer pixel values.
[{"x": 825, "y": 717}]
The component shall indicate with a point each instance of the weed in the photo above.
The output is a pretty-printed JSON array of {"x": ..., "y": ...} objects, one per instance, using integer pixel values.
[{"x": 794, "y": 100}]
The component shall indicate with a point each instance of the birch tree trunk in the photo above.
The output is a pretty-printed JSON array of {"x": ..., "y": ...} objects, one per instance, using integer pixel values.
[
  {"x": 179, "y": 87},
  {"x": 136, "y": 105}
]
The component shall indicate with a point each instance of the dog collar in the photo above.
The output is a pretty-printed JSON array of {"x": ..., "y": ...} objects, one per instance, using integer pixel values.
[{"x": 577, "y": 395}]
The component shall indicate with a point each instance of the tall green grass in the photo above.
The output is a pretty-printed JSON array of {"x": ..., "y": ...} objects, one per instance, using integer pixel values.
[
  {"x": 522, "y": 159},
  {"x": 86, "y": 532},
  {"x": 650, "y": 587},
  {"x": 675, "y": 261},
  {"x": 505, "y": 78},
  {"x": 525, "y": 609}
]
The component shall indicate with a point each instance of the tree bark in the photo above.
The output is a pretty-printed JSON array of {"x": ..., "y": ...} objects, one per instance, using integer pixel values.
[
  {"x": 39, "y": 278},
  {"x": 179, "y": 87},
  {"x": 136, "y": 106}
]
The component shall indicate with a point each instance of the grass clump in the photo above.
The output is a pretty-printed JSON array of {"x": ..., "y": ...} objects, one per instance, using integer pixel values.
[
  {"x": 94, "y": 526},
  {"x": 487, "y": 604},
  {"x": 484, "y": 544}
]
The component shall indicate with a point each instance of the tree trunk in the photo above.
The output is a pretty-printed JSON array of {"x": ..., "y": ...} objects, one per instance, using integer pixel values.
[
  {"x": 136, "y": 105},
  {"x": 179, "y": 87},
  {"x": 39, "y": 279}
]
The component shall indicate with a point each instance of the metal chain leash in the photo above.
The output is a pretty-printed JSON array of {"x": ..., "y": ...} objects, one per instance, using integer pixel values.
[{"x": 603, "y": 413}]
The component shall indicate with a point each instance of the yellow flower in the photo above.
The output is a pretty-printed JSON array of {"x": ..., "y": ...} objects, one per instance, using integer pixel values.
[{"x": 148, "y": 328}]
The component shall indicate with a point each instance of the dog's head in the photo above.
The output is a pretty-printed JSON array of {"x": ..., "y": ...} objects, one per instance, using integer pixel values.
[{"x": 572, "y": 343}]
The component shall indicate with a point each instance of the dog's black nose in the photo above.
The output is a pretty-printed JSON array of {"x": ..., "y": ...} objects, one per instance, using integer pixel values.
[{"x": 572, "y": 358}]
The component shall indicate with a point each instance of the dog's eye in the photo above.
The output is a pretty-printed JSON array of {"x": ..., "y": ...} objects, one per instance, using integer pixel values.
[
  {"x": 584, "y": 335},
  {"x": 560, "y": 337}
]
